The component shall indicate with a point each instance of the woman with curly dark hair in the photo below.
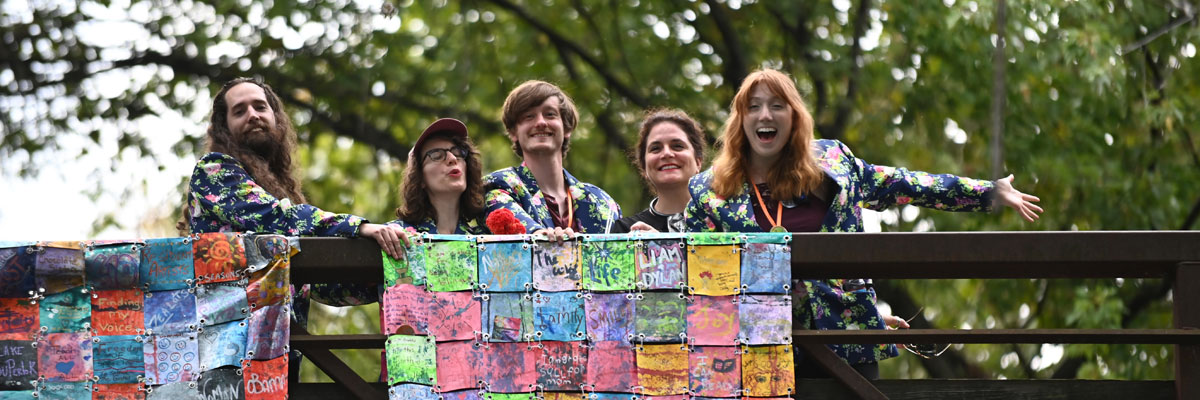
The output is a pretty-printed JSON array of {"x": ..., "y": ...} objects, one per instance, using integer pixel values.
[{"x": 442, "y": 190}]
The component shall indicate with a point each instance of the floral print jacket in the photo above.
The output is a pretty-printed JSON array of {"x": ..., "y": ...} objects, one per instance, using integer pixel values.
[
  {"x": 515, "y": 189},
  {"x": 466, "y": 226},
  {"x": 224, "y": 198},
  {"x": 822, "y": 304}
]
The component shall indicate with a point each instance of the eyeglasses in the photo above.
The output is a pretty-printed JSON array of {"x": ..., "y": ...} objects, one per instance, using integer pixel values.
[
  {"x": 926, "y": 350},
  {"x": 437, "y": 155}
]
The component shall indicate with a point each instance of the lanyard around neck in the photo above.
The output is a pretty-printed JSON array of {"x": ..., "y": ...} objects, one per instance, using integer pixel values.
[{"x": 775, "y": 226}]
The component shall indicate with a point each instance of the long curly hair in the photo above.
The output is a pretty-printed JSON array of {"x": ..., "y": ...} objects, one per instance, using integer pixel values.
[
  {"x": 273, "y": 171},
  {"x": 689, "y": 126},
  {"x": 796, "y": 172},
  {"x": 417, "y": 207}
]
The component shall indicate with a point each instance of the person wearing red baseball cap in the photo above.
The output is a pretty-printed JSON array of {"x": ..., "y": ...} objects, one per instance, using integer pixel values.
[{"x": 442, "y": 190}]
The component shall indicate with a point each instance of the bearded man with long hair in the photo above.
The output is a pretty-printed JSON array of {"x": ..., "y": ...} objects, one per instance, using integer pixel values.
[{"x": 247, "y": 182}]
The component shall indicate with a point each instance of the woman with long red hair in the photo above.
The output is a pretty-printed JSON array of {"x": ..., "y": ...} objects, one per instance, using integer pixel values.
[{"x": 772, "y": 175}]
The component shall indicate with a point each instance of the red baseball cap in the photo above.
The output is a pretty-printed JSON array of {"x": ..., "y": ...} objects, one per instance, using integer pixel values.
[{"x": 449, "y": 126}]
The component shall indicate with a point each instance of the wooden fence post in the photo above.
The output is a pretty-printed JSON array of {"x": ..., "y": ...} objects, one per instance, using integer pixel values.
[{"x": 1186, "y": 296}]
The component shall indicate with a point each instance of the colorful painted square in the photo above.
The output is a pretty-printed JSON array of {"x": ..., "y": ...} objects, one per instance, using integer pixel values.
[
  {"x": 222, "y": 384},
  {"x": 118, "y": 359},
  {"x": 714, "y": 270},
  {"x": 118, "y": 391},
  {"x": 559, "y": 316},
  {"x": 170, "y": 312},
  {"x": 68, "y": 311},
  {"x": 565, "y": 396},
  {"x": 174, "y": 391},
  {"x": 766, "y": 268},
  {"x": 167, "y": 264},
  {"x": 270, "y": 286},
  {"x": 455, "y": 316},
  {"x": 269, "y": 329},
  {"x": 506, "y": 267},
  {"x": 469, "y": 394},
  {"x": 16, "y": 272},
  {"x": 264, "y": 250},
  {"x": 608, "y": 265},
  {"x": 117, "y": 312},
  {"x": 452, "y": 266},
  {"x": 411, "y": 359},
  {"x": 715, "y": 371},
  {"x": 660, "y": 264},
  {"x": 562, "y": 366},
  {"x": 511, "y": 396},
  {"x": 406, "y": 310},
  {"x": 511, "y": 367},
  {"x": 715, "y": 238},
  {"x": 509, "y": 317},
  {"x": 221, "y": 303},
  {"x": 65, "y": 357},
  {"x": 410, "y": 270},
  {"x": 219, "y": 257},
  {"x": 713, "y": 320},
  {"x": 611, "y": 367},
  {"x": 266, "y": 380},
  {"x": 609, "y": 317},
  {"x": 59, "y": 269},
  {"x": 661, "y": 317},
  {"x": 663, "y": 369},
  {"x": 458, "y": 364},
  {"x": 113, "y": 267},
  {"x": 768, "y": 371},
  {"x": 18, "y": 319},
  {"x": 412, "y": 391},
  {"x": 556, "y": 266},
  {"x": 18, "y": 365},
  {"x": 171, "y": 359},
  {"x": 64, "y": 390},
  {"x": 222, "y": 345},
  {"x": 765, "y": 319}
]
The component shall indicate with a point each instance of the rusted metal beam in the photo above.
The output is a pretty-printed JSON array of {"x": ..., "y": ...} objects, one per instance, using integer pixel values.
[
  {"x": 918, "y": 336},
  {"x": 1186, "y": 298},
  {"x": 841, "y": 372}
]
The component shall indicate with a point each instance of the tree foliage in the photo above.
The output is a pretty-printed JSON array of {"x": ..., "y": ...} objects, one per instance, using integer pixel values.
[{"x": 1101, "y": 103}]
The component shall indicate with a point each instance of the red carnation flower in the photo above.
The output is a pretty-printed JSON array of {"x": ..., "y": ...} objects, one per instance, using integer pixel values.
[{"x": 503, "y": 222}]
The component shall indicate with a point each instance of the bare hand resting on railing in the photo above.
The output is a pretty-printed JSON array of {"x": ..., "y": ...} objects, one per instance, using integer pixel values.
[{"x": 391, "y": 238}]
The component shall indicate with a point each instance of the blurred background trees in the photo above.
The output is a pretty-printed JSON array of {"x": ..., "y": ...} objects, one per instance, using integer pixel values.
[{"x": 1101, "y": 101}]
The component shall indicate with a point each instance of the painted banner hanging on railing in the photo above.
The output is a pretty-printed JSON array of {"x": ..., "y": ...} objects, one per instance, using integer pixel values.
[
  {"x": 664, "y": 316},
  {"x": 204, "y": 316}
]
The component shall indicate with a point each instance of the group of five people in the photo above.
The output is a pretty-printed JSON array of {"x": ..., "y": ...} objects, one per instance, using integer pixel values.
[{"x": 770, "y": 174}]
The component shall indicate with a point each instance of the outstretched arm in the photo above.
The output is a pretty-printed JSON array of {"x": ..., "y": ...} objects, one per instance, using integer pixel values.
[{"x": 1006, "y": 195}]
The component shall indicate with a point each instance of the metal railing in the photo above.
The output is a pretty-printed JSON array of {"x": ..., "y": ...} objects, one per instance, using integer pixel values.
[{"x": 1171, "y": 255}]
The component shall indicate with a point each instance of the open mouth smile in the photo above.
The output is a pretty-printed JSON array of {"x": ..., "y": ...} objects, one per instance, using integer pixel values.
[{"x": 766, "y": 134}]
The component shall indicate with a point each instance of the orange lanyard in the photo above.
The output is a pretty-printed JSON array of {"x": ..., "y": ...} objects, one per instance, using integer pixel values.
[
  {"x": 775, "y": 226},
  {"x": 570, "y": 209}
]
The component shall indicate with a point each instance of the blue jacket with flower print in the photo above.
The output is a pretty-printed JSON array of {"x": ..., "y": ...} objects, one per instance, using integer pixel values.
[
  {"x": 822, "y": 304},
  {"x": 516, "y": 189},
  {"x": 224, "y": 198}
]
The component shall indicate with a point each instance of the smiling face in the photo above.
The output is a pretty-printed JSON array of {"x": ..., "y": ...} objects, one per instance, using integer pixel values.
[
  {"x": 540, "y": 129},
  {"x": 767, "y": 124},
  {"x": 445, "y": 177},
  {"x": 250, "y": 118},
  {"x": 670, "y": 158}
]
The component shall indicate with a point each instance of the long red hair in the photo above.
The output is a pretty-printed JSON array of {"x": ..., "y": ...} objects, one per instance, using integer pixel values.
[{"x": 796, "y": 172}]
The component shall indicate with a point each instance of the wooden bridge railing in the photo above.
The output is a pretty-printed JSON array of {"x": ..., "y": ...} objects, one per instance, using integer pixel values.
[{"x": 1172, "y": 255}]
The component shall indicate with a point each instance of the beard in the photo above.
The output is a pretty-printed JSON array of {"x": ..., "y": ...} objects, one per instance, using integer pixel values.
[{"x": 265, "y": 142}]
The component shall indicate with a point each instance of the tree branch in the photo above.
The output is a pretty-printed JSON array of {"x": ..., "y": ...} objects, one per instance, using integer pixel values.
[
  {"x": 843, "y": 109},
  {"x": 620, "y": 87},
  {"x": 734, "y": 67},
  {"x": 1175, "y": 23}
]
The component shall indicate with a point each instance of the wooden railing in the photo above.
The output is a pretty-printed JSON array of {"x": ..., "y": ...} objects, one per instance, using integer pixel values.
[{"x": 1171, "y": 255}]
